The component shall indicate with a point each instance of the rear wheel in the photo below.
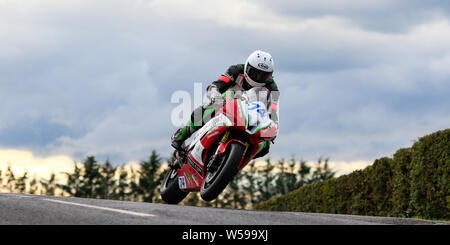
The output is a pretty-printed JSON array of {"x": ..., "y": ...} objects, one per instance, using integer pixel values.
[
  {"x": 218, "y": 177},
  {"x": 170, "y": 190}
]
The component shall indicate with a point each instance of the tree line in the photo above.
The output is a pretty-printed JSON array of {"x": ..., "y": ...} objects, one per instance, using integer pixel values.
[{"x": 91, "y": 179}]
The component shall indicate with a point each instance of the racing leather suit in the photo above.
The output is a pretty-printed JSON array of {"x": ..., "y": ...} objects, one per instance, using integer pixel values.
[{"x": 232, "y": 80}]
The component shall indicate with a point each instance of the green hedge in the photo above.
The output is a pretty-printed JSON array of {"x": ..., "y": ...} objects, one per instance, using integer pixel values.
[{"x": 414, "y": 183}]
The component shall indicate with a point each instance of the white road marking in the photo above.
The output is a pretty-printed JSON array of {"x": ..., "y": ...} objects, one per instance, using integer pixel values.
[
  {"x": 101, "y": 208},
  {"x": 15, "y": 195}
]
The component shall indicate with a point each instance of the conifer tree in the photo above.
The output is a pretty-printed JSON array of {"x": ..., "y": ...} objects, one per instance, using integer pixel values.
[
  {"x": 250, "y": 186},
  {"x": 73, "y": 184},
  {"x": 303, "y": 173},
  {"x": 91, "y": 178},
  {"x": 281, "y": 180},
  {"x": 48, "y": 187},
  {"x": 10, "y": 179},
  {"x": 21, "y": 183},
  {"x": 291, "y": 176},
  {"x": 33, "y": 186},
  {"x": 122, "y": 189},
  {"x": 148, "y": 178},
  {"x": 107, "y": 184},
  {"x": 265, "y": 184},
  {"x": 134, "y": 186},
  {"x": 238, "y": 198},
  {"x": 321, "y": 172}
]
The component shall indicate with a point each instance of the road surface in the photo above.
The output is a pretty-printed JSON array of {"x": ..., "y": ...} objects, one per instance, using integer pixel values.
[{"x": 21, "y": 209}]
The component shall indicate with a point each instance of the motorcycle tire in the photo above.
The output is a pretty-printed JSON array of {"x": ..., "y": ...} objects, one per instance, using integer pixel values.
[
  {"x": 170, "y": 190},
  {"x": 227, "y": 170}
]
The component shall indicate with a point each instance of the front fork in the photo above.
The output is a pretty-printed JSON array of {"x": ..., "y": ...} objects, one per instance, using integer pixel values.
[{"x": 224, "y": 142}]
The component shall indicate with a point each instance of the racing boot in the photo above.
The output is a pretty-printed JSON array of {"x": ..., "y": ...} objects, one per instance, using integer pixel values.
[{"x": 180, "y": 136}]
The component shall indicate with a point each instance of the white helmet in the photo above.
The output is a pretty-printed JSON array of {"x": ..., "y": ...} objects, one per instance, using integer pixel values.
[{"x": 258, "y": 68}]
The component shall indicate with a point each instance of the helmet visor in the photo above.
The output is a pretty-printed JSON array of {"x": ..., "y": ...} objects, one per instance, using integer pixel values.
[{"x": 258, "y": 75}]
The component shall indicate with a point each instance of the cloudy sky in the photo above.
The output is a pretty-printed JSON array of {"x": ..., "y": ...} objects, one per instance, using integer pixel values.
[{"x": 359, "y": 79}]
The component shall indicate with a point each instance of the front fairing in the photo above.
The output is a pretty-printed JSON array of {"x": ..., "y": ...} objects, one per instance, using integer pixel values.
[{"x": 257, "y": 116}]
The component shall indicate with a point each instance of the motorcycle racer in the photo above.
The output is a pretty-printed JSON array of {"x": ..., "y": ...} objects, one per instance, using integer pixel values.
[{"x": 256, "y": 72}]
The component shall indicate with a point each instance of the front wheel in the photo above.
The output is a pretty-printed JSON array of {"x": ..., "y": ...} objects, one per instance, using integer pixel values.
[
  {"x": 170, "y": 191},
  {"x": 216, "y": 181}
]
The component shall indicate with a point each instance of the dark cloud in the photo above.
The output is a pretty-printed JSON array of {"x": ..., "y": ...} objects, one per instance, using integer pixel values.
[
  {"x": 34, "y": 133},
  {"x": 381, "y": 16},
  {"x": 358, "y": 79}
]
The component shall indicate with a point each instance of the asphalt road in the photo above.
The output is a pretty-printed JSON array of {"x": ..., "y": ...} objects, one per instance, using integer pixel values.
[{"x": 20, "y": 209}]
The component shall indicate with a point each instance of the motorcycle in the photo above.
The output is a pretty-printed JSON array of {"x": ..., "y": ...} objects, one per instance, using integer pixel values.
[{"x": 221, "y": 148}]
